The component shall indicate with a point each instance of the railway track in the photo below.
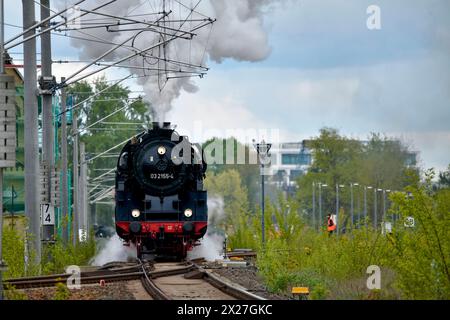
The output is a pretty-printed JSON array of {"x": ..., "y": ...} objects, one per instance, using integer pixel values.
[
  {"x": 186, "y": 280},
  {"x": 115, "y": 274},
  {"x": 191, "y": 282}
]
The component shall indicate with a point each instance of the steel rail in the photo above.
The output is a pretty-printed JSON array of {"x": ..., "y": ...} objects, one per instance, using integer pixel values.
[{"x": 215, "y": 281}]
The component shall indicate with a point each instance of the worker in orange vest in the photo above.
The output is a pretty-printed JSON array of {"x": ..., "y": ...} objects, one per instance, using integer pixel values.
[{"x": 331, "y": 226}]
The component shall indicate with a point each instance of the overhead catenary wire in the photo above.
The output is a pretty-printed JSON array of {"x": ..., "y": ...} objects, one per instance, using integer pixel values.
[
  {"x": 174, "y": 36},
  {"x": 111, "y": 149},
  {"x": 96, "y": 122},
  {"x": 95, "y": 95},
  {"x": 110, "y": 171},
  {"x": 48, "y": 29},
  {"x": 40, "y": 23}
]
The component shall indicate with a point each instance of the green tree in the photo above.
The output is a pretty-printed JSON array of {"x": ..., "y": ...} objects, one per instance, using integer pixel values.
[
  {"x": 444, "y": 178},
  {"x": 423, "y": 252},
  {"x": 381, "y": 162},
  {"x": 228, "y": 186},
  {"x": 100, "y": 136},
  {"x": 249, "y": 173}
]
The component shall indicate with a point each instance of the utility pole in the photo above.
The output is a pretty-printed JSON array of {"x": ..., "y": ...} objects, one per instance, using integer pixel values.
[
  {"x": 7, "y": 131},
  {"x": 351, "y": 204},
  {"x": 314, "y": 204},
  {"x": 31, "y": 131},
  {"x": 47, "y": 82},
  {"x": 384, "y": 204},
  {"x": 337, "y": 206},
  {"x": 2, "y": 73},
  {"x": 365, "y": 205},
  {"x": 83, "y": 192},
  {"x": 352, "y": 210},
  {"x": 320, "y": 206},
  {"x": 64, "y": 182},
  {"x": 375, "y": 218},
  {"x": 76, "y": 211},
  {"x": 2, "y": 264}
]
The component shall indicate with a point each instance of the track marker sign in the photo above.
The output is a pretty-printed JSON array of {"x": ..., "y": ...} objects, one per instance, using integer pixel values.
[{"x": 47, "y": 214}]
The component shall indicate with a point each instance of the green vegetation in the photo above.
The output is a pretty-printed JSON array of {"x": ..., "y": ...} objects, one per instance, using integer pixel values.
[
  {"x": 55, "y": 258},
  {"x": 248, "y": 173},
  {"x": 103, "y": 135},
  {"x": 414, "y": 261},
  {"x": 11, "y": 293},
  {"x": 62, "y": 292},
  {"x": 61, "y": 256},
  {"x": 381, "y": 163}
]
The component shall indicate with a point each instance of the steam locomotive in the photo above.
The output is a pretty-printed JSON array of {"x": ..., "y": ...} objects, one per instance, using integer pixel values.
[{"x": 161, "y": 206}]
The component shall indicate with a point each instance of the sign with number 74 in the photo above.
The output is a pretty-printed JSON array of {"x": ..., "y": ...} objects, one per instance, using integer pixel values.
[{"x": 47, "y": 214}]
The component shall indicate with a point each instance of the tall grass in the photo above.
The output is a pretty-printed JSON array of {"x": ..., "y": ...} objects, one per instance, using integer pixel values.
[
  {"x": 414, "y": 261},
  {"x": 55, "y": 257}
]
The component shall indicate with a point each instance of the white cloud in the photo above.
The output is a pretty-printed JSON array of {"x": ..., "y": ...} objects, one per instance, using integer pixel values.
[
  {"x": 405, "y": 97},
  {"x": 203, "y": 117}
]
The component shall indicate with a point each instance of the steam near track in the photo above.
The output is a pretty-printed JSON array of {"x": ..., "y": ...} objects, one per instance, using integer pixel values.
[{"x": 239, "y": 34}]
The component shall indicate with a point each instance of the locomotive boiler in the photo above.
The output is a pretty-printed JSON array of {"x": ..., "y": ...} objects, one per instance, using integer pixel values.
[{"x": 161, "y": 206}]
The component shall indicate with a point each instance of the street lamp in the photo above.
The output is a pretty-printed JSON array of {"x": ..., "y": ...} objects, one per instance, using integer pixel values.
[
  {"x": 365, "y": 204},
  {"x": 337, "y": 206},
  {"x": 320, "y": 202},
  {"x": 384, "y": 203},
  {"x": 286, "y": 216},
  {"x": 314, "y": 204},
  {"x": 263, "y": 149},
  {"x": 351, "y": 201},
  {"x": 375, "y": 208}
]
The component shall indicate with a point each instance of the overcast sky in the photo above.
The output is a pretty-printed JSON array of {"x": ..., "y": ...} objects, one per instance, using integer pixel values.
[{"x": 326, "y": 68}]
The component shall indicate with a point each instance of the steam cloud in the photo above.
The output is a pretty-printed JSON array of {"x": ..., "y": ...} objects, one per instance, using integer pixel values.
[
  {"x": 211, "y": 247},
  {"x": 114, "y": 250},
  {"x": 237, "y": 34}
]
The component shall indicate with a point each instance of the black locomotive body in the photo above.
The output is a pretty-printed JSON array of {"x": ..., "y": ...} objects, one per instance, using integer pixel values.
[{"x": 161, "y": 206}]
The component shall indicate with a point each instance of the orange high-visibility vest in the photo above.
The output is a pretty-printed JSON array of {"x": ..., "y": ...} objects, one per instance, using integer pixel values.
[{"x": 331, "y": 225}]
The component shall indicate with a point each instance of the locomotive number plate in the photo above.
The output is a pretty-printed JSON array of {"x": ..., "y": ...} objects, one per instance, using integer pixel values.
[{"x": 161, "y": 176}]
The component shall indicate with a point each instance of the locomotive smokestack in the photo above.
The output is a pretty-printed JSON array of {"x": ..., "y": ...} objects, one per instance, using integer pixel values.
[{"x": 164, "y": 125}]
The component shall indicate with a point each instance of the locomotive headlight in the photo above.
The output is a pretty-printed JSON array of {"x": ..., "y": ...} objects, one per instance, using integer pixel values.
[
  {"x": 188, "y": 213},
  {"x": 161, "y": 151},
  {"x": 135, "y": 213}
]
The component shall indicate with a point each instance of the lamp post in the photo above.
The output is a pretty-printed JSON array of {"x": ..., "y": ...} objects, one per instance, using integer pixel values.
[
  {"x": 375, "y": 208},
  {"x": 286, "y": 216},
  {"x": 263, "y": 149},
  {"x": 384, "y": 204},
  {"x": 314, "y": 204},
  {"x": 365, "y": 204},
  {"x": 351, "y": 202},
  {"x": 321, "y": 185},
  {"x": 337, "y": 206}
]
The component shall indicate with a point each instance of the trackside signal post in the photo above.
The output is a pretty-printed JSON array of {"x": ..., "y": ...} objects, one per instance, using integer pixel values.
[{"x": 7, "y": 130}]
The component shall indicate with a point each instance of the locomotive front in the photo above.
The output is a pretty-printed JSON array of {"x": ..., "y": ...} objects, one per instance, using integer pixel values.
[{"x": 161, "y": 206}]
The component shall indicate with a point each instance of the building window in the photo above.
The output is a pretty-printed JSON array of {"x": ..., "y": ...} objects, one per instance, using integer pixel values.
[
  {"x": 296, "y": 159},
  {"x": 305, "y": 159},
  {"x": 289, "y": 159}
]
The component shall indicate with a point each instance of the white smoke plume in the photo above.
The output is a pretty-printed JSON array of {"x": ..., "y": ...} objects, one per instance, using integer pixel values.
[
  {"x": 238, "y": 34},
  {"x": 211, "y": 247},
  {"x": 114, "y": 250}
]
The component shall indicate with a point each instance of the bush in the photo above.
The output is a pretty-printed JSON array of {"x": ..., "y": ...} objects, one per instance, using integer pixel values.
[
  {"x": 422, "y": 253},
  {"x": 55, "y": 258},
  {"x": 58, "y": 256},
  {"x": 62, "y": 292}
]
